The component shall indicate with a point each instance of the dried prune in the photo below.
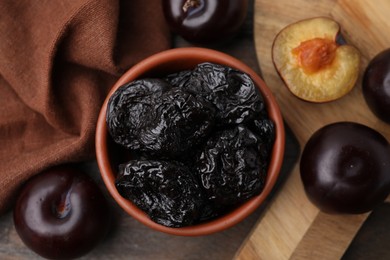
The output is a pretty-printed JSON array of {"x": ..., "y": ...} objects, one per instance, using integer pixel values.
[
  {"x": 165, "y": 190},
  {"x": 230, "y": 91},
  {"x": 229, "y": 166},
  {"x": 131, "y": 109},
  {"x": 183, "y": 122},
  {"x": 166, "y": 123}
]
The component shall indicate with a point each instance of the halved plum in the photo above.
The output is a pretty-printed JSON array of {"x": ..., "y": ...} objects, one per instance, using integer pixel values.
[{"x": 314, "y": 60}]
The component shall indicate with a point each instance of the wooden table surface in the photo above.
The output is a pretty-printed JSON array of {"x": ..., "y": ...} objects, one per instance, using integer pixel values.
[{"x": 129, "y": 239}]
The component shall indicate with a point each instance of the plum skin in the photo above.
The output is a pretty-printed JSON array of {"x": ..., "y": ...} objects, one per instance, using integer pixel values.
[
  {"x": 376, "y": 85},
  {"x": 205, "y": 21},
  {"x": 61, "y": 213},
  {"x": 344, "y": 168}
]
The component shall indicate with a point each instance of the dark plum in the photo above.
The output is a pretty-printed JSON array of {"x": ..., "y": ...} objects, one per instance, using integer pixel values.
[
  {"x": 345, "y": 168},
  {"x": 205, "y": 21},
  {"x": 376, "y": 85},
  {"x": 61, "y": 213}
]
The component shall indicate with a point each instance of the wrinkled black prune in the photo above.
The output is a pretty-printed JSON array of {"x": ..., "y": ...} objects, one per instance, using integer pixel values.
[
  {"x": 184, "y": 121},
  {"x": 164, "y": 124},
  {"x": 231, "y": 92},
  {"x": 165, "y": 190},
  {"x": 229, "y": 166},
  {"x": 131, "y": 108}
]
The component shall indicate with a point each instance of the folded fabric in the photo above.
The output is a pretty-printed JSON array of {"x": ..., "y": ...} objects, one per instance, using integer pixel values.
[{"x": 58, "y": 59}]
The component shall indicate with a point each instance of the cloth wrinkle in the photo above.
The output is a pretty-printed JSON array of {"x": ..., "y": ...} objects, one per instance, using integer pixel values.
[{"x": 58, "y": 60}]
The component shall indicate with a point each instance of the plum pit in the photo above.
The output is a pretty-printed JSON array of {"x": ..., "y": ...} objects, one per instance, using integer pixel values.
[{"x": 315, "y": 54}]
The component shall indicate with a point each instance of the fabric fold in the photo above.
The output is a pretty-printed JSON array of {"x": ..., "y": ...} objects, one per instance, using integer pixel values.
[{"x": 58, "y": 60}]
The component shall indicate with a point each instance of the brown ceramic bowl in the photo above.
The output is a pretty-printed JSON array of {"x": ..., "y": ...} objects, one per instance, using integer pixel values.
[{"x": 174, "y": 60}]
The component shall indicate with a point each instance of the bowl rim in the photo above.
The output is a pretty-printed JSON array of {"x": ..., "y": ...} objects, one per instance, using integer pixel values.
[{"x": 241, "y": 212}]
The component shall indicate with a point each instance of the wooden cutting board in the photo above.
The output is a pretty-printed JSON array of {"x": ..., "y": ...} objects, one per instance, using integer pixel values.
[{"x": 292, "y": 228}]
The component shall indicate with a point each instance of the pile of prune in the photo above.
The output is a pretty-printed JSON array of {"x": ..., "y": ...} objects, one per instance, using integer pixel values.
[{"x": 201, "y": 142}]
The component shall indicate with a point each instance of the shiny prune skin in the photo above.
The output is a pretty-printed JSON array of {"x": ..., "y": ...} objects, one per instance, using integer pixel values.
[
  {"x": 376, "y": 85},
  {"x": 205, "y": 21},
  {"x": 179, "y": 79},
  {"x": 184, "y": 121},
  {"x": 345, "y": 168},
  {"x": 232, "y": 93},
  {"x": 229, "y": 167},
  {"x": 61, "y": 213},
  {"x": 166, "y": 190},
  {"x": 165, "y": 122},
  {"x": 264, "y": 129}
]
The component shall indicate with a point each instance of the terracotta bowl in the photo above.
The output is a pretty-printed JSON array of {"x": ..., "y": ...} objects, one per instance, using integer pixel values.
[{"x": 109, "y": 155}]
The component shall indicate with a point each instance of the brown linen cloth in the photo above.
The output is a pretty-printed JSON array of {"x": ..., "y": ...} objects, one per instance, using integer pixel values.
[{"x": 58, "y": 59}]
